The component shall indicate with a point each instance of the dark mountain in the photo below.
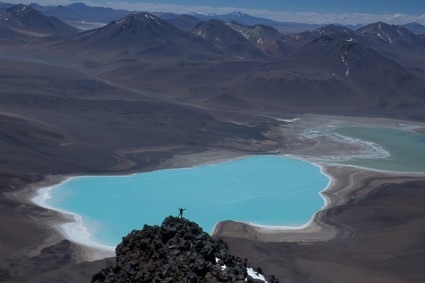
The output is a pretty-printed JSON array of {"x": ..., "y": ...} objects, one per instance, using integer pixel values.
[
  {"x": 334, "y": 30},
  {"x": 183, "y": 22},
  {"x": 288, "y": 28},
  {"x": 26, "y": 21},
  {"x": 82, "y": 12},
  {"x": 416, "y": 28},
  {"x": 382, "y": 34},
  {"x": 398, "y": 43},
  {"x": 267, "y": 39},
  {"x": 141, "y": 35},
  {"x": 248, "y": 20},
  {"x": 342, "y": 56},
  {"x": 333, "y": 74},
  {"x": 137, "y": 30},
  {"x": 229, "y": 41},
  {"x": 176, "y": 251}
]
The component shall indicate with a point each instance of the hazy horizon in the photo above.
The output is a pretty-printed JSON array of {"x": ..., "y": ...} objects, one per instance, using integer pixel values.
[{"x": 302, "y": 11}]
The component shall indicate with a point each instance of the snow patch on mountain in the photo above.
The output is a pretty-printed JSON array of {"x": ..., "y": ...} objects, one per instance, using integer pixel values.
[
  {"x": 383, "y": 34},
  {"x": 255, "y": 275},
  {"x": 344, "y": 61}
]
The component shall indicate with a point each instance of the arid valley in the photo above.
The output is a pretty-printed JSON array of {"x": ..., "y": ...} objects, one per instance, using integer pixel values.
[{"x": 151, "y": 91}]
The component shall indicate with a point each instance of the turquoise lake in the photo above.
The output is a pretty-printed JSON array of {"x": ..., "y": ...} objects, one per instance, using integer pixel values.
[
  {"x": 267, "y": 190},
  {"x": 407, "y": 149}
]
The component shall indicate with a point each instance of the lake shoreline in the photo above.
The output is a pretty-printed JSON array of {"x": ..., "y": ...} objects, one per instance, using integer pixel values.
[
  {"x": 345, "y": 186},
  {"x": 77, "y": 231},
  {"x": 336, "y": 193},
  {"x": 317, "y": 230}
]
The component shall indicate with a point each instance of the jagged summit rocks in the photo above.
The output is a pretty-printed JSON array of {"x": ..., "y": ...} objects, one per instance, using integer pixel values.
[{"x": 176, "y": 251}]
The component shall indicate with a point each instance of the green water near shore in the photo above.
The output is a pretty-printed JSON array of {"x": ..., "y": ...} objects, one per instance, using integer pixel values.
[{"x": 406, "y": 149}]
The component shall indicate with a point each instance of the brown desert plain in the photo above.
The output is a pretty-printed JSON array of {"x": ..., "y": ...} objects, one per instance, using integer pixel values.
[{"x": 139, "y": 94}]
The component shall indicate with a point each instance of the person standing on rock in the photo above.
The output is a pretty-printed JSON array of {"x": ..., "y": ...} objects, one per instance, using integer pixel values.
[{"x": 181, "y": 212}]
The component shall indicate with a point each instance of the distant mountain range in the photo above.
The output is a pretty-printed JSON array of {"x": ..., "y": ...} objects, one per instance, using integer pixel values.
[
  {"x": 145, "y": 33},
  {"x": 248, "y": 20},
  {"x": 415, "y": 28},
  {"x": 80, "y": 12},
  {"x": 375, "y": 69}
]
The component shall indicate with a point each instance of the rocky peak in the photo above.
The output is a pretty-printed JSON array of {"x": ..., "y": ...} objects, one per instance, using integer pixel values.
[
  {"x": 141, "y": 18},
  {"x": 141, "y": 25},
  {"x": 23, "y": 13},
  {"x": 256, "y": 31},
  {"x": 226, "y": 39},
  {"x": 211, "y": 29},
  {"x": 20, "y": 9},
  {"x": 324, "y": 33},
  {"x": 389, "y": 34},
  {"x": 176, "y": 251},
  {"x": 265, "y": 38}
]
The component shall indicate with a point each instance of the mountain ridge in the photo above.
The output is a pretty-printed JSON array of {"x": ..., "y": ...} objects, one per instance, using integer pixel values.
[
  {"x": 83, "y": 12},
  {"x": 140, "y": 35},
  {"x": 226, "y": 39},
  {"x": 353, "y": 70}
]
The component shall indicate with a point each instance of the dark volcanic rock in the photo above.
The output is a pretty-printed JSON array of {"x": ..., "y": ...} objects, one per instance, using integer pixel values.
[{"x": 176, "y": 251}]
